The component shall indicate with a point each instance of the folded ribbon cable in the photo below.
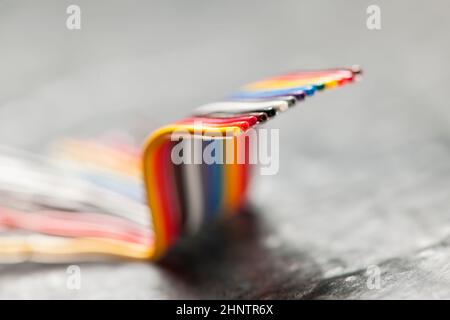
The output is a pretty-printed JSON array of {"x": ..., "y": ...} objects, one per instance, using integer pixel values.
[{"x": 103, "y": 211}]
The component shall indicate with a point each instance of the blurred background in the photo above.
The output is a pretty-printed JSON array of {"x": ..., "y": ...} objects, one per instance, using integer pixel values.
[{"x": 365, "y": 170}]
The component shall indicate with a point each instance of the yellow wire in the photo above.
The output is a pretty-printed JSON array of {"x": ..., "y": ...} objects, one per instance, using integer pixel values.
[{"x": 72, "y": 246}]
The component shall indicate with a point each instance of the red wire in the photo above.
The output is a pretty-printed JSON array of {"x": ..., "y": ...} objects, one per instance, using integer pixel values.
[{"x": 74, "y": 225}]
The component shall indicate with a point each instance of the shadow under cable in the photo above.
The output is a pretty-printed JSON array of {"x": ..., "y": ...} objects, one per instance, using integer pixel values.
[{"x": 234, "y": 259}]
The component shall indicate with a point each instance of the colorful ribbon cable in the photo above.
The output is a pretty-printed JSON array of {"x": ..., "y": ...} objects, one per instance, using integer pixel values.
[
  {"x": 99, "y": 200},
  {"x": 181, "y": 203}
]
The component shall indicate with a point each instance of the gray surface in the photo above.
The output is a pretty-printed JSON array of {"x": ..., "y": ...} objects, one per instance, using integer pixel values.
[{"x": 365, "y": 171}]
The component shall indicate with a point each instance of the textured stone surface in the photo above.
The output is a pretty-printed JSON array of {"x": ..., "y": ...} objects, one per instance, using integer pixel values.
[{"x": 365, "y": 170}]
